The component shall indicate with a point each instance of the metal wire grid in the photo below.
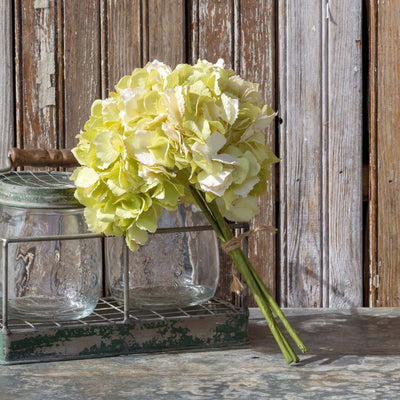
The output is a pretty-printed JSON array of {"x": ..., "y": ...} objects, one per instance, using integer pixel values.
[
  {"x": 108, "y": 311},
  {"x": 35, "y": 179},
  {"x": 100, "y": 316}
]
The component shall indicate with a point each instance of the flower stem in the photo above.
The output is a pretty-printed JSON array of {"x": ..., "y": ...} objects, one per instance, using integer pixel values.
[
  {"x": 204, "y": 207},
  {"x": 276, "y": 309},
  {"x": 261, "y": 294},
  {"x": 282, "y": 342}
]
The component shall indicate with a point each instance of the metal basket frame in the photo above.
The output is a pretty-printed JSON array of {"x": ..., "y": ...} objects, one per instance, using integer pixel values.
[
  {"x": 108, "y": 312},
  {"x": 90, "y": 235}
]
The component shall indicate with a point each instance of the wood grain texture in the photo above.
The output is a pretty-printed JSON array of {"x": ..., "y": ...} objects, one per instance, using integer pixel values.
[
  {"x": 300, "y": 88},
  {"x": 388, "y": 153},
  {"x": 7, "y": 111},
  {"x": 215, "y": 30},
  {"x": 344, "y": 157},
  {"x": 372, "y": 271},
  {"x": 257, "y": 64},
  {"x": 124, "y": 32},
  {"x": 36, "y": 77},
  {"x": 82, "y": 79},
  {"x": 320, "y": 190},
  {"x": 165, "y": 33}
]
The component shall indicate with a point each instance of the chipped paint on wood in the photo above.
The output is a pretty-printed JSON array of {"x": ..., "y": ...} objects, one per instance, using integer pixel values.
[
  {"x": 82, "y": 59},
  {"x": 215, "y": 30},
  {"x": 35, "y": 80},
  {"x": 46, "y": 69},
  {"x": 136, "y": 337},
  {"x": 41, "y": 4}
]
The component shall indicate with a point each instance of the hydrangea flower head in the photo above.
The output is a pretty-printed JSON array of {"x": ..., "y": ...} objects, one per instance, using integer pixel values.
[{"x": 163, "y": 130}]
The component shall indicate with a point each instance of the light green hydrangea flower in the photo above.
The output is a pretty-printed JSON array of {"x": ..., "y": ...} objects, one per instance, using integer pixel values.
[{"x": 164, "y": 130}]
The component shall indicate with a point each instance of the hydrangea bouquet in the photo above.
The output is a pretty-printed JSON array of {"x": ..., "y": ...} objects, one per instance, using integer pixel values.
[{"x": 193, "y": 134}]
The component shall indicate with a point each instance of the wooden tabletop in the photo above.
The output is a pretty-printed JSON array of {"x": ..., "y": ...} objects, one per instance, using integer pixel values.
[{"x": 353, "y": 354}]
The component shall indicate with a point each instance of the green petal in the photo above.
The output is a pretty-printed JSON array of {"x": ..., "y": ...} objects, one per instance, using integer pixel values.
[
  {"x": 85, "y": 177},
  {"x": 148, "y": 220},
  {"x": 108, "y": 148},
  {"x": 135, "y": 235}
]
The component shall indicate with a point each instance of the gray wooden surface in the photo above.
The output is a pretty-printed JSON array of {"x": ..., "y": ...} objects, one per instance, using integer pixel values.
[
  {"x": 343, "y": 172},
  {"x": 353, "y": 354},
  {"x": 320, "y": 145}
]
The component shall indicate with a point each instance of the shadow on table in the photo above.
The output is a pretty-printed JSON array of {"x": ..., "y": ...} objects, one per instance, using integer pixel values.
[{"x": 330, "y": 336}]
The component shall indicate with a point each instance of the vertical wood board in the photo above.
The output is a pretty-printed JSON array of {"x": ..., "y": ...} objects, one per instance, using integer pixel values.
[
  {"x": 215, "y": 35},
  {"x": 81, "y": 64},
  {"x": 387, "y": 154},
  {"x": 124, "y": 34},
  {"x": 36, "y": 83},
  {"x": 320, "y": 138},
  {"x": 165, "y": 21},
  {"x": 257, "y": 64},
  {"x": 371, "y": 274},
  {"x": 344, "y": 157},
  {"x": 300, "y": 105}
]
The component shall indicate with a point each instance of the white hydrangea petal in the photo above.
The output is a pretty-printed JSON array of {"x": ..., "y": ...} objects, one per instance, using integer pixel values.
[
  {"x": 216, "y": 183},
  {"x": 86, "y": 177},
  {"x": 225, "y": 159},
  {"x": 231, "y": 108}
]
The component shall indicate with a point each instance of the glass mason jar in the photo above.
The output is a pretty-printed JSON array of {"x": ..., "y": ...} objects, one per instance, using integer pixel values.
[
  {"x": 177, "y": 267},
  {"x": 51, "y": 279}
]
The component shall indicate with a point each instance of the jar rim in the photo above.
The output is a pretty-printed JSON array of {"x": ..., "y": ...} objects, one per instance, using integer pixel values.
[{"x": 38, "y": 189}]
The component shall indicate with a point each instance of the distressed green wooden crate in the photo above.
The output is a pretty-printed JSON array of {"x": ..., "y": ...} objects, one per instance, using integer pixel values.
[{"x": 214, "y": 324}]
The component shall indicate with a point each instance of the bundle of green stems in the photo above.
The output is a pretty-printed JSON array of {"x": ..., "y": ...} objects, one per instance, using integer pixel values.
[{"x": 262, "y": 296}]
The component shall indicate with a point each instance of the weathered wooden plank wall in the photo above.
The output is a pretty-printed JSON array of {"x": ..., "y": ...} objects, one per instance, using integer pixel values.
[
  {"x": 36, "y": 86},
  {"x": 320, "y": 91},
  {"x": 81, "y": 64},
  {"x": 67, "y": 53},
  {"x": 384, "y": 122},
  {"x": 344, "y": 155}
]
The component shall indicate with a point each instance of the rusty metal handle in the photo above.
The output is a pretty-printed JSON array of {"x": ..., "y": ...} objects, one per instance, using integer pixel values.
[{"x": 42, "y": 158}]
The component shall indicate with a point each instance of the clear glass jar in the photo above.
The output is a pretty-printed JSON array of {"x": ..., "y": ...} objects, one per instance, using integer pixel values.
[
  {"x": 177, "y": 267},
  {"x": 51, "y": 279}
]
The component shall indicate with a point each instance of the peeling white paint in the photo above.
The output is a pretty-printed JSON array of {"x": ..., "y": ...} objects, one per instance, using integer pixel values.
[
  {"x": 41, "y": 4},
  {"x": 47, "y": 93}
]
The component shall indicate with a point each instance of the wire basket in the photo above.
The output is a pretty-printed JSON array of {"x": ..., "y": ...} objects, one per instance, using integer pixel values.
[{"x": 112, "y": 328}]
